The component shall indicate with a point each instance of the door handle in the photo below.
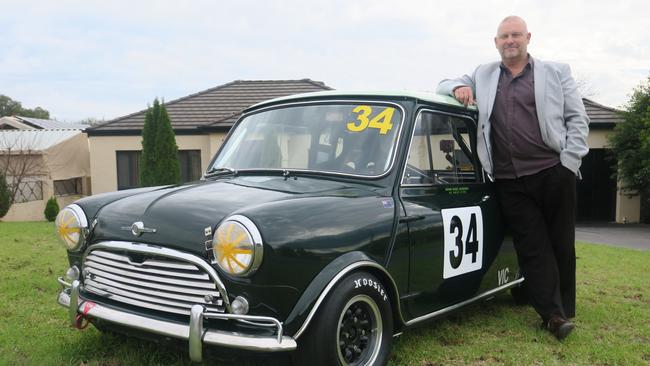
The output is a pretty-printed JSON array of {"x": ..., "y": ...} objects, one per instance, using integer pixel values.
[
  {"x": 405, "y": 219},
  {"x": 485, "y": 198}
]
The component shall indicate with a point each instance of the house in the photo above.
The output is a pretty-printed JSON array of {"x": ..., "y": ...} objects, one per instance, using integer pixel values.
[
  {"x": 599, "y": 195},
  {"x": 44, "y": 163},
  {"x": 200, "y": 122}
]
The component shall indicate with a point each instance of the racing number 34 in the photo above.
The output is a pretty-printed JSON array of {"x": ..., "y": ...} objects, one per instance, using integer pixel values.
[
  {"x": 463, "y": 240},
  {"x": 382, "y": 121}
]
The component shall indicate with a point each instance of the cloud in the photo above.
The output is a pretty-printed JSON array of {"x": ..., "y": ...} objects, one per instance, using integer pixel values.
[{"x": 80, "y": 59}]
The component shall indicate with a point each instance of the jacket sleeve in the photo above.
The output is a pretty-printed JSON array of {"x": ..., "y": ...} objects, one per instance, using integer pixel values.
[
  {"x": 576, "y": 122},
  {"x": 447, "y": 86}
]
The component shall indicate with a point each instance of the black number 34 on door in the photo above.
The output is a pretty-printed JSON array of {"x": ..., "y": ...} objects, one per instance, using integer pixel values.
[{"x": 326, "y": 224}]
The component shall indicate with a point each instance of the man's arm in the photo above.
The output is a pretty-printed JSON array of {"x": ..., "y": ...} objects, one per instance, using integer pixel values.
[
  {"x": 462, "y": 88},
  {"x": 575, "y": 120}
]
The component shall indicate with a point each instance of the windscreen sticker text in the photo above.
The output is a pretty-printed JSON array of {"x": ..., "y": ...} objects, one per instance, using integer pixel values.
[{"x": 365, "y": 119}]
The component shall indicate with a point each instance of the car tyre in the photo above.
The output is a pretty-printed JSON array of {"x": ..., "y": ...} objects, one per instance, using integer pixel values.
[{"x": 353, "y": 326}]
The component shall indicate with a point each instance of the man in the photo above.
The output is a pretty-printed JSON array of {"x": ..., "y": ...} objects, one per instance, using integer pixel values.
[{"x": 531, "y": 139}]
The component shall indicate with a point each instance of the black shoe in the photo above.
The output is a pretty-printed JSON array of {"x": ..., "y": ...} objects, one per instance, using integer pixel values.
[{"x": 559, "y": 327}]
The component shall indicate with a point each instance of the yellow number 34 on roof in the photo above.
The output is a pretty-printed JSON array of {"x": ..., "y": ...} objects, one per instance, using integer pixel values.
[{"x": 382, "y": 121}]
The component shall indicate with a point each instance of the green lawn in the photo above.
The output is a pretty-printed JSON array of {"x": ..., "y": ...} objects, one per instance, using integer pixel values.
[{"x": 613, "y": 322}]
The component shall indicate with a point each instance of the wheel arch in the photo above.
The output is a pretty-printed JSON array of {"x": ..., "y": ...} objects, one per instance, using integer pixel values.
[{"x": 311, "y": 300}]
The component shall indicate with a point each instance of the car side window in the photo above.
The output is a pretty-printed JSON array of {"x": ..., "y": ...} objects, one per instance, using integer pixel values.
[{"x": 440, "y": 152}]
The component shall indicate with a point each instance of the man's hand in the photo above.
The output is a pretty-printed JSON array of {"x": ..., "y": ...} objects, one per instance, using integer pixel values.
[{"x": 464, "y": 95}]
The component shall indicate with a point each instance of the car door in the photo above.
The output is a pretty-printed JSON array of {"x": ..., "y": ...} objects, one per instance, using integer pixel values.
[{"x": 454, "y": 223}]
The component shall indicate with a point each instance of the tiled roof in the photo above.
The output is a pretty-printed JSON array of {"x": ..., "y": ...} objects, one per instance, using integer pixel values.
[
  {"x": 600, "y": 115},
  {"x": 221, "y": 103}
]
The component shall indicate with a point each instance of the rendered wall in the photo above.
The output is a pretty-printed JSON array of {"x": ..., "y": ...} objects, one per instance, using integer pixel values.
[{"x": 103, "y": 162}]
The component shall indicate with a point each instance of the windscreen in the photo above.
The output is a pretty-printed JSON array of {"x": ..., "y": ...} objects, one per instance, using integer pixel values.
[{"x": 356, "y": 139}]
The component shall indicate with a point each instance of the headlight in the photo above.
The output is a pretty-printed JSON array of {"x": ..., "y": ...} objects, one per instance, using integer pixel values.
[
  {"x": 237, "y": 246},
  {"x": 71, "y": 227}
]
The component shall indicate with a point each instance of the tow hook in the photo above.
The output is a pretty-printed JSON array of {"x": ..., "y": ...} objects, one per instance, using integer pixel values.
[{"x": 83, "y": 320}]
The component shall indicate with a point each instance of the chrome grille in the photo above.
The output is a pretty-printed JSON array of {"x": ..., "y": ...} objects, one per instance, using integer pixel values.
[{"x": 158, "y": 283}]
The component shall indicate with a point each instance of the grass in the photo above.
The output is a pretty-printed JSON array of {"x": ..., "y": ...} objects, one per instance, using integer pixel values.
[{"x": 613, "y": 322}]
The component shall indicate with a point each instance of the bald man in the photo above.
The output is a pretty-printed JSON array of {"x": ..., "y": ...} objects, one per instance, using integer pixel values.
[{"x": 532, "y": 133}]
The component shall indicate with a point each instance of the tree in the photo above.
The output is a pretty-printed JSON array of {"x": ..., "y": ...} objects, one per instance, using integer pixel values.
[
  {"x": 159, "y": 164},
  {"x": 5, "y": 196},
  {"x": 10, "y": 107},
  {"x": 51, "y": 209},
  {"x": 630, "y": 144}
]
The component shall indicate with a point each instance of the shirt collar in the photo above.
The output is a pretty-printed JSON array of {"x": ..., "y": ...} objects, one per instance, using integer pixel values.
[{"x": 529, "y": 65}]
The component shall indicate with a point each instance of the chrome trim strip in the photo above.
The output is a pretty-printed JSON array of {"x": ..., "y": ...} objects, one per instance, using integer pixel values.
[
  {"x": 325, "y": 101},
  {"x": 460, "y": 304},
  {"x": 128, "y": 275},
  {"x": 164, "y": 252},
  {"x": 98, "y": 282},
  {"x": 248, "y": 319},
  {"x": 63, "y": 283},
  {"x": 148, "y": 262},
  {"x": 182, "y": 331},
  {"x": 185, "y": 290},
  {"x": 463, "y": 116},
  {"x": 150, "y": 302},
  {"x": 125, "y": 265},
  {"x": 333, "y": 282}
]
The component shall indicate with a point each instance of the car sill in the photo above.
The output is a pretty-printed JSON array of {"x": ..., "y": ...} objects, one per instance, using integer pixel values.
[{"x": 461, "y": 304}]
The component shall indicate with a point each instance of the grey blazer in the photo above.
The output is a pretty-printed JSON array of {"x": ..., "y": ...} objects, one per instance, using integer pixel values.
[{"x": 563, "y": 122}]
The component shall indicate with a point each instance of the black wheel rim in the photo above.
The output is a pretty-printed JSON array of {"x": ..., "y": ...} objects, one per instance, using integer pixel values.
[{"x": 359, "y": 333}]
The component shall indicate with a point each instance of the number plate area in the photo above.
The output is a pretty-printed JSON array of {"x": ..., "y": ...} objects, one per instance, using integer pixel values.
[{"x": 463, "y": 238}]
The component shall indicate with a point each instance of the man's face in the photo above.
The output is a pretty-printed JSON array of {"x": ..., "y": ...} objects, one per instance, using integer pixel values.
[{"x": 512, "y": 40}]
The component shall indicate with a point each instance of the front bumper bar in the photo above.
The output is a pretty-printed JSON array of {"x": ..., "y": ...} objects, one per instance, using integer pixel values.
[{"x": 194, "y": 332}]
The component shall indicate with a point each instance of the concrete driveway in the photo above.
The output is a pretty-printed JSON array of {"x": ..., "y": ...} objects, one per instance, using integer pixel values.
[{"x": 635, "y": 236}]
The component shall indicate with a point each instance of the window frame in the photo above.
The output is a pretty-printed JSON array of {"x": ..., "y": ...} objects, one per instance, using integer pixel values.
[{"x": 471, "y": 125}]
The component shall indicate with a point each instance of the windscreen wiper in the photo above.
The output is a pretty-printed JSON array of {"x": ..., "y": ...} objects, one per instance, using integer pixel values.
[{"x": 219, "y": 171}]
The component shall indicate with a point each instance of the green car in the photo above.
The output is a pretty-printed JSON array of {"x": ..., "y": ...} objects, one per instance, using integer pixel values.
[{"x": 326, "y": 225}]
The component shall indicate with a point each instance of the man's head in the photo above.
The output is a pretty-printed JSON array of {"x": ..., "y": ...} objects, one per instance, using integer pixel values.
[{"x": 512, "y": 39}]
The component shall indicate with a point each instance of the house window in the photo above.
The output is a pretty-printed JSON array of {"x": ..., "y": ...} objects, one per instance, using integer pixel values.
[
  {"x": 190, "y": 161},
  {"x": 28, "y": 191},
  {"x": 67, "y": 187},
  {"x": 128, "y": 169}
]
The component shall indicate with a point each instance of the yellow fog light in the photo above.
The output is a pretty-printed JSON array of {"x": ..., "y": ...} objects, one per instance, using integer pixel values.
[
  {"x": 71, "y": 227},
  {"x": 237, "y": 246}
]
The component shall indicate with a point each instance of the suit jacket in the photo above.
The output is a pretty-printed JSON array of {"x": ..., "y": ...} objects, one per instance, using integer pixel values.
[{"x": 563, "y": 122}]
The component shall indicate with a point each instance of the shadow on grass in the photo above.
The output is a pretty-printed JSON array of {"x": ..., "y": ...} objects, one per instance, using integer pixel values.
[{"x": 108, "y": 348}]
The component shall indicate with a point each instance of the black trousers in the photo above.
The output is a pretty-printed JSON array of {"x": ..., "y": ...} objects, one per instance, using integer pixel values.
[{"x": 540, "y": 212}]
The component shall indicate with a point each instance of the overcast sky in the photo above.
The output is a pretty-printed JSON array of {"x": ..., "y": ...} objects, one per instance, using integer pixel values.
[{"x": 105, "y": 59}]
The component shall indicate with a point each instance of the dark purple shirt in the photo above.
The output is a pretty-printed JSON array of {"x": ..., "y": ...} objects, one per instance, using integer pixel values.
[{"x": 517, "y": 146}]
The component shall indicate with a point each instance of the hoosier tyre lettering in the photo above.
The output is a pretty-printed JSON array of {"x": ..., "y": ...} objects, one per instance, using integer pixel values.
[{"x": 354, "y": 326}]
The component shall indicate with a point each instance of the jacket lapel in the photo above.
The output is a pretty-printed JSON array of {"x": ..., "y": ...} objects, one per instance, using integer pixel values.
[
  {"x": 494, "y": 81},
  {"x": 539, "y": 75}
]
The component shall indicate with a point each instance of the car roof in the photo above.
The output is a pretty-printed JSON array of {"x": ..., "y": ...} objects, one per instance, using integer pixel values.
[{"x": 421, "y": 96}]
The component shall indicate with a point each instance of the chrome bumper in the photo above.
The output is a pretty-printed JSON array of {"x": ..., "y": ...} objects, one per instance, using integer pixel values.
[{"x": 193, "y": 332}]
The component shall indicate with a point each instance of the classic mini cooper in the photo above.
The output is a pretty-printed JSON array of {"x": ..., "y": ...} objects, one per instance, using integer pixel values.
[{"x": 326, "y": 225}]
